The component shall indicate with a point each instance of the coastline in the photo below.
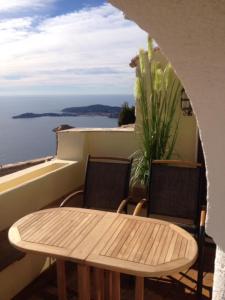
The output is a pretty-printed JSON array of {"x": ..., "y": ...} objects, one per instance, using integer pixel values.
[{"x": 90, "y": 110}]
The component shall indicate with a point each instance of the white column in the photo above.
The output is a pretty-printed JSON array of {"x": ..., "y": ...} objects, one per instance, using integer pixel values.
[{"x": 219, "y": 276}]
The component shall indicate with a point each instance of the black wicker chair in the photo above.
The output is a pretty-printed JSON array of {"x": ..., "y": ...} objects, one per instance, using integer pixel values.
[
  {"x": 106, "y": 184},
  {"x": 174, "y": 196},
  {"x": 106, "y": 188}
]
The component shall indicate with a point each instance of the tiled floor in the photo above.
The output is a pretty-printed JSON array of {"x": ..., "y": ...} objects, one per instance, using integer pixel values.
[{"x": 177, "y": 287}]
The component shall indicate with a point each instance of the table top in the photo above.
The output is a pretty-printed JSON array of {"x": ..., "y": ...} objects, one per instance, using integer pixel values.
[{"x": 123, "y": 243}]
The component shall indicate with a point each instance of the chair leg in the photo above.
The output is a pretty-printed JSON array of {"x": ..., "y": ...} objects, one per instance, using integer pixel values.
[
  {"x": 199, "y": 283},
  {"x": 200, "y": 275},
  {"x": 200, "y": 262}
]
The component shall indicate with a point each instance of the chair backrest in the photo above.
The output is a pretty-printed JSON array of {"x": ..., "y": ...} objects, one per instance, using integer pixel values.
[
  {"x": 107, "y": 182},
  {"x": 174, "y": 189}
]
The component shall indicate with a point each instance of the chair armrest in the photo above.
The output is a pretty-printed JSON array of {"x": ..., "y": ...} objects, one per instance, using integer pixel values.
[
  {"x": 203, "y": 216},
  {"x": 201, "y": 233},
  {"x": 66, "y": 201},
  {"x": 122, "y": 205},
  {"x": 139, "y": 207},
  {"x": 201, "y": 244}
]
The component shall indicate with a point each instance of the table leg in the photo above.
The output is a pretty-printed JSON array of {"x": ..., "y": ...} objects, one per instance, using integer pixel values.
[
  {"x": 99, "y": 282},
  {"x": 108, "y": 284},
  {"x": 114, "y": 285},
  {"x": 139, "y": 288},
  {"x": 83, "y": 275},
  {"x": 61, "y": 279}
]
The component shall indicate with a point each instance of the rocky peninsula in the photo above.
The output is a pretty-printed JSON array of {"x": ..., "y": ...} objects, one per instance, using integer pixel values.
[{"x": 90, "y": 110}]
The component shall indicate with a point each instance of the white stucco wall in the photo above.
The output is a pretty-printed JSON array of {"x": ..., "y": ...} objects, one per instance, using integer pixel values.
[
  {"x": 192, "y": 36},
  {"x": 76, "y": 144}
]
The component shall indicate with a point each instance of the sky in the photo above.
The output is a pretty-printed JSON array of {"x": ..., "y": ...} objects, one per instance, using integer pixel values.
[{"x": 66, "y": 47}]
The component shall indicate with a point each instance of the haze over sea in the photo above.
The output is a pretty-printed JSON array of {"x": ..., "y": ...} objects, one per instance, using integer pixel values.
[{"x": 25, "y": 139}]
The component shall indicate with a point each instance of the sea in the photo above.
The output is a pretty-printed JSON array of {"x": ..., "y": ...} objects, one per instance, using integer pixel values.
[{"x": 25, "y": 139}]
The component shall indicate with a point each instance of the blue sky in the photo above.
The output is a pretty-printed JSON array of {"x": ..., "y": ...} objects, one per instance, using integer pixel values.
[{"x": 66, "y": 47}]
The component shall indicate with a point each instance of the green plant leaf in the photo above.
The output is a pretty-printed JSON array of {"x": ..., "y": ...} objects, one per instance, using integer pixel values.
[{"x": 158, "y": 92}]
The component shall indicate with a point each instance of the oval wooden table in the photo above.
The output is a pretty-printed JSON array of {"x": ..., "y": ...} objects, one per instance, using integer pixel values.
[{"x": 119, "y": 243}]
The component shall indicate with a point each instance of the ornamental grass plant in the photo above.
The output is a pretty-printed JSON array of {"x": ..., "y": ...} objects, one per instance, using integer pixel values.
[{"x": 158, "y": 92}]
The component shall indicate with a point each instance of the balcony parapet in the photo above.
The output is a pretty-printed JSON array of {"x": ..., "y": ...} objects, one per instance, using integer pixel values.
[
  {"x": 24, "y": 192},
  {"x": 14, "y": 167},
  {"x": 77, "y": 143}
]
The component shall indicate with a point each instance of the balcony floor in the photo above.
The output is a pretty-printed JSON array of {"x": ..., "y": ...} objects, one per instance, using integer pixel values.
[{"x": 177, "y": 287}]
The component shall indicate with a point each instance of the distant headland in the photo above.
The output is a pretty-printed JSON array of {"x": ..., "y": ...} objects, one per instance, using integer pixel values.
[{"x": 90, "y": 110}]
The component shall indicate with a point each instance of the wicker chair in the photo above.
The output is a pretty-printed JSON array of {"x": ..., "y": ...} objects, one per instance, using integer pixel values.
[
  {"x": 106, "y": 188},
  {"x": 174, "y": 196},
  {"x": 106, "y": 184}
]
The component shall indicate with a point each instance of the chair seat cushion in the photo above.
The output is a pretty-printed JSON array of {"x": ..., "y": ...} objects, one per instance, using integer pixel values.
[{"x": 8, "y": 254}]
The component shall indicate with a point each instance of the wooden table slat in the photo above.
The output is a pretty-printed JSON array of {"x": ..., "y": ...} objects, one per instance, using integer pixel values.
[
  {"x": 150, "y": 243},
  {"x": 114, "y": 231},
  {"x": 137, "y": 253},
  {"x": 133, "y": 243},
  {"x": 58, "y": 238},
  {"x": 41, "y": 231},
  {"x": 176, "y": 242},
  {"x": 38, "y": 223},
  {"x": 166, "y": 244}
]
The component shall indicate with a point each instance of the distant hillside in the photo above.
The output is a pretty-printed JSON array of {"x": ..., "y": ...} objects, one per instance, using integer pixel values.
[
  {"x": 29, "y": 115},
  {"x": 97, "y": 108},
  {"x": 91, "y": 110}
]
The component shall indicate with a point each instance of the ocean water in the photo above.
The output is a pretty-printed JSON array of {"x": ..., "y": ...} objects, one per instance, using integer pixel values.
[{"x": 24, "y": 139}]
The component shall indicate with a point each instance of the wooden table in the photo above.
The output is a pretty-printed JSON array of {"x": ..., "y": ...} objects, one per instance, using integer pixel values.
[{"x": 139, "y": 246}]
